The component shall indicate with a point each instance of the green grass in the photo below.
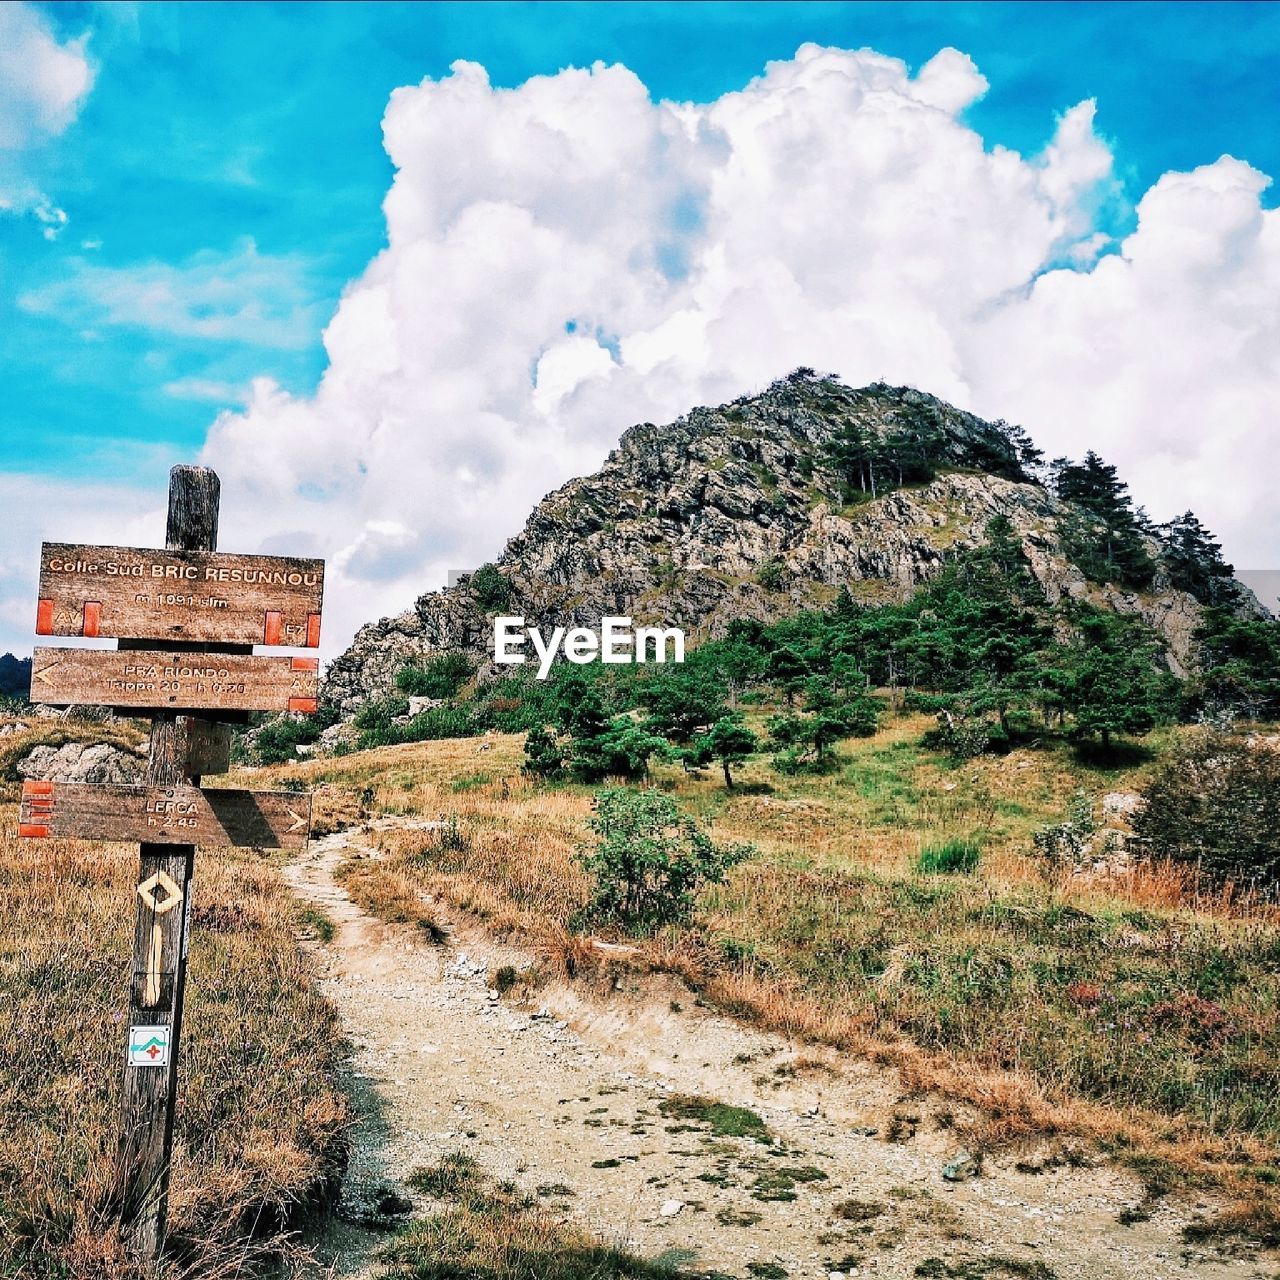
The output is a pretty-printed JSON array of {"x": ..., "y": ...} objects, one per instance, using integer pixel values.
[
  {"x": 723, "y": 1120},
  {"x": 951, "y": 857},
  {"x": 318, "y": 922}
]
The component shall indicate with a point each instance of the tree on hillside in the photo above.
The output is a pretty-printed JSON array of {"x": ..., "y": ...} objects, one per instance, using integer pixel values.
[
  {"x": 1112, "y": 693},
  {"x": 736, "y": 661},
  {"x": 1105, "y": 534},
  {"x": 729, "y": 741},
  {"x": 1193, "y": 558},
  {"x": 543, "y": 755},
  {"x": 1030, "y": 459},
  {"x": 681, "y": 701},
  {"x": 1113, "y": 685},
  {"x": 1239, "y": 664},
  {"x": 854, "y": 453}
]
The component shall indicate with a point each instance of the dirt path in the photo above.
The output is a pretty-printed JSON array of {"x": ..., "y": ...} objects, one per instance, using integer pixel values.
[{"x": 574, "y": 1099}]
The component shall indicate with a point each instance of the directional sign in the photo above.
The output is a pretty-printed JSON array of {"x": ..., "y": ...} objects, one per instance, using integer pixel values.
[
  {"x": 179, "y": 595},
  {"x": 159, "y": 680},
  {"x": 183, "y": 815}
]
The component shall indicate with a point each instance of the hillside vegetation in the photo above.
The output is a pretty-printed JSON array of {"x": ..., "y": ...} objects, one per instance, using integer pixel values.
[{"x": 1118, "y": 1004}]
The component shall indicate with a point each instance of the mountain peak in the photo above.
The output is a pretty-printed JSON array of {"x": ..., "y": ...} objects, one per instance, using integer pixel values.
[{"x": 767, "y": 505}]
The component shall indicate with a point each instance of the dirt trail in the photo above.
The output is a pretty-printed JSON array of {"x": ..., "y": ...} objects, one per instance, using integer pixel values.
[{"x": 573, "y": 1098}]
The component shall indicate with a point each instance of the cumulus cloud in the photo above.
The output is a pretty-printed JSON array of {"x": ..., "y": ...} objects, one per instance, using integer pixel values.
[
  {"x": 42, "y": 84},
  {"x": 568, "y": 257}
]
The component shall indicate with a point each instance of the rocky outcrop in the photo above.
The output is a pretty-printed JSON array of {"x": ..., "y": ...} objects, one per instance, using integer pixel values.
[
  {"x": 83, "y": 762},
  {"x": 737, "y": 512}
]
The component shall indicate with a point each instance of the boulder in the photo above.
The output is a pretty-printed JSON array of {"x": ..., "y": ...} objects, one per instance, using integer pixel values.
[{"x": 83, "y": 762}]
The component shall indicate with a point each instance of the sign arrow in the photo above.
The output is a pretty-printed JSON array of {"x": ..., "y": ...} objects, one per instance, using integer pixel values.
[
  {"x": 298, "y": 823},
  {"x": 40, "y": 675}
]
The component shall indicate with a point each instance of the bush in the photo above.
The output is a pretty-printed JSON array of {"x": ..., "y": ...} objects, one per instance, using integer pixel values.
[
  {"x": 961, "y": 736},
  {"x": 1064, "y": 843},
  {"x": 439, "y": 677},
  {"x": 771, "y": 574},
  {"x": 543, "y": 756},
  {"x": 650, "y": 861},
  {"x": 491, "y": 590},
  {"x": 440, "y": 722},
  {"x": 1216, "y": 802},
  {"x": 277, "y": 741},
  {"x": 952, "y": 857}
]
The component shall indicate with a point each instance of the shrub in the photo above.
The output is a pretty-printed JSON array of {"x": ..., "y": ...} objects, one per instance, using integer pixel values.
[
  {"x": 954, "y": 856},
  {"x": 543, "y": 756},
  {"x": 1216, "y": 802},
  {"x": 491, "y": 590},
  {"x": 962, "y": 737},
  {"x": 1062, "y": 843},
  {"x": 771, "y": 574},
  {"x": 650, "y": 860},
  {"x": 440, "y": 722},
  {"x": 277, "y": 741},
  {"x": 439, "y": 677}
]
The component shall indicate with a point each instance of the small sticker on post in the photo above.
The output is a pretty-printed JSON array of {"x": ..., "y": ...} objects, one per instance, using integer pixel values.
[{"x": 149, "y": 1046}]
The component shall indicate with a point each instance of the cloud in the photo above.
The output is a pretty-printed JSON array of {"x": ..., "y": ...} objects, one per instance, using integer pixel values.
[
  {"x": 568, "y": 257},
  {"x": 42, "y": 85},
  {"x": 237, "y": 296},
  {"x": 206, "y": 389}
]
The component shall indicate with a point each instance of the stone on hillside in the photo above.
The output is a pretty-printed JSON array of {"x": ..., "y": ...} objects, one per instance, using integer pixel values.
[
  {"x": 83, "y": 762},
  {"x": 670, "y": 1208},
  {"x": 962, "y": 1167},
  {"x": 1120, "y": 804}
]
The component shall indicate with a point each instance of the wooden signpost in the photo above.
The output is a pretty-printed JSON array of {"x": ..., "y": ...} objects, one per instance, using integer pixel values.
[
  {"x": 186, "y": 619},
  {"x": 160, "y": 678}
]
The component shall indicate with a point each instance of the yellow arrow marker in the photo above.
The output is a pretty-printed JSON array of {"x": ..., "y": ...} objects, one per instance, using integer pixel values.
[
  {"x": 151, "y": 995},
  {"x": 298, "y": 823},
  {"x": 40, "y": 675}
]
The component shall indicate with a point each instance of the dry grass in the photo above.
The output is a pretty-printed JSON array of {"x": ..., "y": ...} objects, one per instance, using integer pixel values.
[
  {"x": 1126, "y": 1008},
  {"x": 260, "y": 1119}
]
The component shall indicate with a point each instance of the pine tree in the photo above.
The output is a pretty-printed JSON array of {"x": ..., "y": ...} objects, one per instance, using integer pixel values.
[
  {"x": 1108, "y": 541},
  {"x": 729, "y": 741},
  {"x": 1193, "y": 558}
]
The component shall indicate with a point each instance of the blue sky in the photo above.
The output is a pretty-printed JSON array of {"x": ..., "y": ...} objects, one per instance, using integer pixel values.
[
  {"x": 222, "y": 179},
  {"x": 210, "y": 127}
]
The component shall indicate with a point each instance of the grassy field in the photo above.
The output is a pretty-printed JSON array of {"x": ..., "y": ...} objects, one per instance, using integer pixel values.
[
  {"x": 1123, "y": 1008},
  {"x": 260, "y": 1117}
]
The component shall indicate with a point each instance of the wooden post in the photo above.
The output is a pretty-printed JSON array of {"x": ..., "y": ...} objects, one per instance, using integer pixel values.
[{"x": 161, "y": 934}]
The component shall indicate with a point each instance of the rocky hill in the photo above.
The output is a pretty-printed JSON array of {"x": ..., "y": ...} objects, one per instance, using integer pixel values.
[{"x": 760, "y": 508}]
